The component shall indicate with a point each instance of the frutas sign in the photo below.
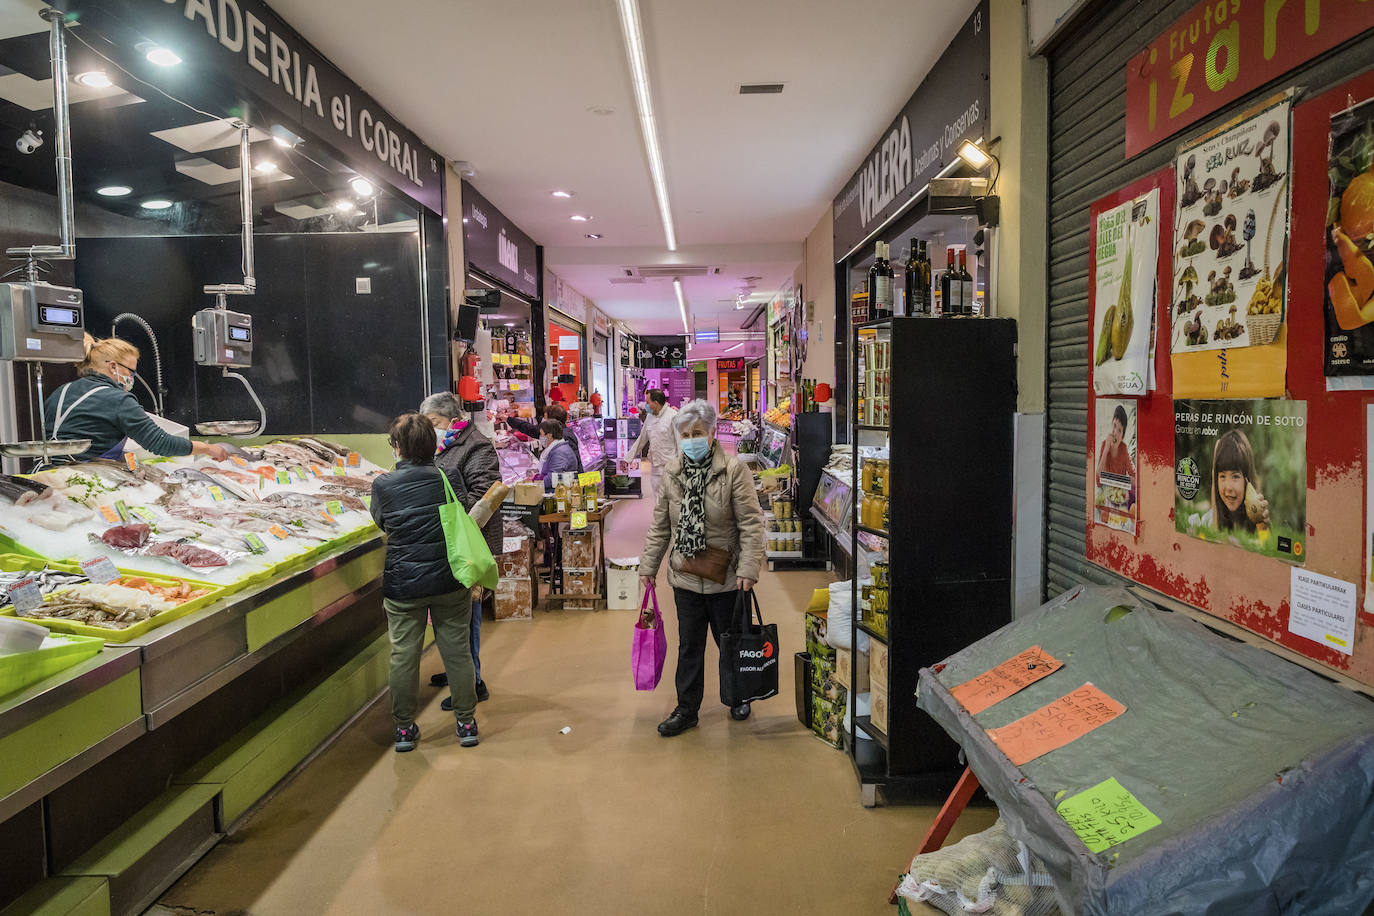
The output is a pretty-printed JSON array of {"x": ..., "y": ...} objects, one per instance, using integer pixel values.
[{"x": 1223, "y": 49}]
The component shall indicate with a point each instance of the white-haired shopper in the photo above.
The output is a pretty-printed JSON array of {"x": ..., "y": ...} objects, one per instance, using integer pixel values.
[{"x": 706, "y": 499}]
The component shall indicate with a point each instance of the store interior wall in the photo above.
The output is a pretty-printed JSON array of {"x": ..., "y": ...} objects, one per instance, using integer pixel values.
[
  {"x": 817, "y": 279},
  {"x": 326, "y": 358},
  {"x": 1019, "y": 115}
]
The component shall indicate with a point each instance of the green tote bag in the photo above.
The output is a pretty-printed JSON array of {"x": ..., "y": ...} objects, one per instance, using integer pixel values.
[{"x": 468, "y": 554}]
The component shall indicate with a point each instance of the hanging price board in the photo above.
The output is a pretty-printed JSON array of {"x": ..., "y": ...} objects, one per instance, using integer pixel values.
[{"x": 589, "y": 478}]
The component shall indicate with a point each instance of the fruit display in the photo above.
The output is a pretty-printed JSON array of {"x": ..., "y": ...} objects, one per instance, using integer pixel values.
[{"x": 781, "y": 415}]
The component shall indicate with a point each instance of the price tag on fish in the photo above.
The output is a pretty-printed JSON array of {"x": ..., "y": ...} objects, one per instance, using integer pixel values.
[
  {"x": 239, "y": 460},
  {"x": 254, "y": 543},
  {"x": 339, "y": 471},
  {"x": 283, "y": 477},
  {"x": 25, "y": 595},
  {"x": 109, "y": 514},
  {"x": 131, "y": 461},
  {"x": 367, "y": 500},
  {"x": 328, "y": 518},
  {"x": 217, "y": 494},
  {"x": 278, "y": 532},
  {"x": 354, "y": 459},
  {"x": 317, "y": 470},
  {"x": 299, "y": 472},
  {"x": 123, "y": 511},
  {"x": 144, "y": 513},
  {"x": 100, "y": 570},
  {"x": 334, "y": 507}
]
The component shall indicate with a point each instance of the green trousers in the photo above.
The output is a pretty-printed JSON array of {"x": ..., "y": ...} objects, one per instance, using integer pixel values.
[{"x": 451, "y": 615}]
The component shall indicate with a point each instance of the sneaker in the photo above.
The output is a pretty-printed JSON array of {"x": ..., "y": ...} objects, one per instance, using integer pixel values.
[
  {"x": 467, "y": 734},
  {"x": 482, "y": 693},
  {"x": 439, "y": 680},
  {"x": 407, "y": 736}
]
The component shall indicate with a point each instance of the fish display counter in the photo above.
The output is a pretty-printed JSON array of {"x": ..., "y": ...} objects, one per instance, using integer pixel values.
[{"x": 176, "y": 593}]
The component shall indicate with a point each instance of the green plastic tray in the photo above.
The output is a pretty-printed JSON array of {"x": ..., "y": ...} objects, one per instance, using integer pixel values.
[
  {"x": 19, "y": 670},
  {"x": 81, "y": 629}
]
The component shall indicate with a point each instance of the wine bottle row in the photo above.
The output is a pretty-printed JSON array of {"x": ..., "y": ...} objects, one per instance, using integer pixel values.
[{"x": 949, "y": 294}]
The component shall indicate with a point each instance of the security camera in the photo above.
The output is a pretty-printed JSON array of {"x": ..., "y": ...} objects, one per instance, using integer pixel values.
[{"x": 29, "y": 141}]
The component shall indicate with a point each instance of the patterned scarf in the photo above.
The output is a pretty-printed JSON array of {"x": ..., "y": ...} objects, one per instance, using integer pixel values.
[
  {"x": 691, "y": 521},
  {"x": 452, "y": 434}
]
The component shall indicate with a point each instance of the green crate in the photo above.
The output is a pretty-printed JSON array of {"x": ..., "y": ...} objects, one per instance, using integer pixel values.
[{"x": 21, "y": 669}]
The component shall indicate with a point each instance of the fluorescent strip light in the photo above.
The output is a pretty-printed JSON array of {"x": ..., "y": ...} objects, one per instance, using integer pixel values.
[
  {"x": 639, "y": 75},
  {"x": 682, "y": 306},
  {"x": 734, "y": 348}
]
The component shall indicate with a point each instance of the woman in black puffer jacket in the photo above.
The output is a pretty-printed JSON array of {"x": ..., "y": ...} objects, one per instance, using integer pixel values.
[{"x": 417, "y": 583}]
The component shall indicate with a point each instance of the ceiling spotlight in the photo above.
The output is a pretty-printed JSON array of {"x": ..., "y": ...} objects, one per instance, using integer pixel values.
[
  {"x": 362, "y": 187},
  {"x": 579, "y": 218},
  {"x": 157, "y": 204},
  {"x": 593, "y": 235},
  {"x": 562, "y": 193},
  {"x": 96, "y": 79},
  {"x": 974, "y": 154},
  {"x": 114, "y": 190},
  {"x": 163, "y": 57},
  {"x": 267, "y": 166},
  {"x": 345, "y": 206},
  {"x": 510, "y": 324}
]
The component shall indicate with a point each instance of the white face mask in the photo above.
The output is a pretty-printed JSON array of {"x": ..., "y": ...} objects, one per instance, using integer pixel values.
[{"x": 439, "y": 435}]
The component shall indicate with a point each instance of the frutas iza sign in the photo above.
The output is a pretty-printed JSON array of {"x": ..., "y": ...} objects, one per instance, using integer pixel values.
[{"x": 1223, "y": 49}]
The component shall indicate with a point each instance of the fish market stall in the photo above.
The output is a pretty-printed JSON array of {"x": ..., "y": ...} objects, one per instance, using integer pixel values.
[{"x": 210, "y": 624}]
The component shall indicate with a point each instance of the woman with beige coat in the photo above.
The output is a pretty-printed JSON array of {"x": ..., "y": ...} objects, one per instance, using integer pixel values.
[{"x": 707, "y": 500}]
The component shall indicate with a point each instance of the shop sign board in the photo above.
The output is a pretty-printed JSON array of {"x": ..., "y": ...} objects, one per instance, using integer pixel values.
[
  {"x": 949, "y": 107},
  {"x": 730, "y": 364},
  {"x": 496, "y": 246},
  {"x": 245, "y": 44},
  {"x": 1222, "y": 50}
]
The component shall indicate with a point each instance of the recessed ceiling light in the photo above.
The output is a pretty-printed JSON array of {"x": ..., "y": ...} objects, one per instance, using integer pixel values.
[
  {"x": 157, "y": 204},
  {"x": 96, "y": 79},
  {"x": 163, "y": 57},
  {"x": 344, "y": 206},
  {"x": 562, "y": 193},
  {"x": 362, "y": 187},
  {"x": 593, "y": 235},
  {"x": 265, "y": 166},
  {"x": 114, "y": 190},
  {"x": 579, "y": 218},
  {"x": 510, "y": 324}
]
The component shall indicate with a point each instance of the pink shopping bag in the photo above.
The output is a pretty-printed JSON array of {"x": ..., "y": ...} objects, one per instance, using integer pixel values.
[{"x": 651, "y": 644}]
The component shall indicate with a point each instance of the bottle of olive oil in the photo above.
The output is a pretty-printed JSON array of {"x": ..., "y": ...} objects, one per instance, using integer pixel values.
[{"x": 560, "y": 494}]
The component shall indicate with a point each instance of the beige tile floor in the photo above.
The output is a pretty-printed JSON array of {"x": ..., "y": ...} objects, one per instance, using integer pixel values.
[{"x": 732, "y": 817}]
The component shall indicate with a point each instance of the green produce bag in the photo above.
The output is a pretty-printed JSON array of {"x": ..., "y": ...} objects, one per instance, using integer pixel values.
[{"x": 468, "y": 554}]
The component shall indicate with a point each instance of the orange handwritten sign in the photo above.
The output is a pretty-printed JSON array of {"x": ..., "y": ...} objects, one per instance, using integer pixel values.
[
  {"x": 1052, "y": 726},
  {"x": 1014, "y": 674}
]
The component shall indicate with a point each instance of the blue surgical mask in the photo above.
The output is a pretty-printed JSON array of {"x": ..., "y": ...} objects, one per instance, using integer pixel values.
[{"x": 696, "y": 449}]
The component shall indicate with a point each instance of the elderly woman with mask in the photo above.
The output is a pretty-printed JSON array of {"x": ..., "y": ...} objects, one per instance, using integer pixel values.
[
  {"x": 469, "y": 459},
  {"x": 707, "y": 500}
]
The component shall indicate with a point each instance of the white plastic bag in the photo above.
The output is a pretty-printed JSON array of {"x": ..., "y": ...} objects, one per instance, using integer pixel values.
[{"x": 840, "y": 615}]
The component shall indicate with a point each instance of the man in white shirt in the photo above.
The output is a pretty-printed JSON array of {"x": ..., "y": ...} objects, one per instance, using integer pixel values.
[{"x": 658, "y": 438}]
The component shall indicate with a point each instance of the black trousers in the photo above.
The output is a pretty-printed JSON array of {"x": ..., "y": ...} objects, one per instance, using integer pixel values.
[{"x": 696, "y": 612}]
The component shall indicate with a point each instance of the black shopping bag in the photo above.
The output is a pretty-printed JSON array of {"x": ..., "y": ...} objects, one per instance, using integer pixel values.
[{"x": 749, "y": 654}]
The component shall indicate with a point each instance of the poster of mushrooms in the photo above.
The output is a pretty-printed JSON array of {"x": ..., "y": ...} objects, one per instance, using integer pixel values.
[{"x": 1231, "y": 234}]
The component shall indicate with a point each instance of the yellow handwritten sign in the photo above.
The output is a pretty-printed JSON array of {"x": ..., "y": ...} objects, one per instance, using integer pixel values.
[
  {"x": 578, "y": 520},
  {"x": 1106, "y": 815},
  {"x": 588, "y": 478}
]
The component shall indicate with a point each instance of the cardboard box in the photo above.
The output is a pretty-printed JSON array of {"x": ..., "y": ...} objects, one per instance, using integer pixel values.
[
  {"x": 877, "y": 665},
  {"x": 514, "y": 599},
  {"x": 878, "y": 709},
  {"x": 528, "y": 494},
  {"x": 815, "y": 635},
  {"x": 846, "y": 663},
  {"x": 579, "y": 581},
  {"x": 581, "y": 549},
  {"x": 515, "y": 560},
  {"x": 825, "y": 720},
  {"x": 823, "y": 682}
]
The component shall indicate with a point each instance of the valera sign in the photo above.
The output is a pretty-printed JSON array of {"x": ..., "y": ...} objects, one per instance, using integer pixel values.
[{"x": 1223, "y": 49}]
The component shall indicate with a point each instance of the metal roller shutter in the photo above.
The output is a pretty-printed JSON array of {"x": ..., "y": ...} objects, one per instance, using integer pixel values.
[{"x": 1087, "y": 139}]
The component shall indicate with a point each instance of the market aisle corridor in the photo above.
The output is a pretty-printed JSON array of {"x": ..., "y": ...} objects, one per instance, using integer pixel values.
[{"x": 731, "y": 817}]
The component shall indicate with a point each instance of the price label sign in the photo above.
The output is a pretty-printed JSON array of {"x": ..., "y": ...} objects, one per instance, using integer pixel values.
[
  {"x": 25, "y": 595},
  {"x": 144, "y": 513},
  {"x": 511, "y": 545},
  {"x": 283, "y": 477},
  {"x": 317, "y": 470},
  {"x": 254, "y": 543},
  {"x": 100, "y": 570},
  {"x": 217, "y": 494},
  {"x": 367, "y": 500},
  {"x": 278, "y": 532},
  {"x": 328, "y": 518},
  {"x": 338, "y": 471},
  {"x": 578, "y": 520},
  {"x": 354, "y": 459},
  {"x": 109, "y": 514},
  {"x": 239, "y": 460},
  {"x": 122, "y": 510},
  {"x": 589, "y": 478},
  {"x": 131, "y": 461},
  {"x": 299, "y": 472},
  {"x": 334, "y": 507}
]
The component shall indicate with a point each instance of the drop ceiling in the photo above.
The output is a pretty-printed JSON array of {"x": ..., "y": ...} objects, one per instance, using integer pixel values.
[{"x": 514, "y": 89}]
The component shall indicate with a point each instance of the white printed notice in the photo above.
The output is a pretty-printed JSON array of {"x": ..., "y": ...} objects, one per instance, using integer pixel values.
[{"x": 1322, "y": 609}]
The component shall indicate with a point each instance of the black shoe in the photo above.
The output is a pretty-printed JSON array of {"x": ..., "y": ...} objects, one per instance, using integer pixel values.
[
  {"x": 677, "y": 723},
  {"x": 447, "y": 704},
  {"x": 467, "y": 734},
  {"x": 439, "y": 680},
  {"x": 740, "y": 713},
  {"x": 407, "y": 737},
  {"x": 483, "y": 694}
]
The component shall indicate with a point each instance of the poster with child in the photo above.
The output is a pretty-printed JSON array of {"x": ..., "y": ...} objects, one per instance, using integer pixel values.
[
  {"x": 1240, "y": 474},
  {"x": 1115, "y": 480}
]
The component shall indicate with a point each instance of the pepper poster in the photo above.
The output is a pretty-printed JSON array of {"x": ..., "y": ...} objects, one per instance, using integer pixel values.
[{"x": 1349, "y": 300}]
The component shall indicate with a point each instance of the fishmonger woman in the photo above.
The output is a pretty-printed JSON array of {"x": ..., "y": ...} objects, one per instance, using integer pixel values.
[{"x": 100, "y": 406}]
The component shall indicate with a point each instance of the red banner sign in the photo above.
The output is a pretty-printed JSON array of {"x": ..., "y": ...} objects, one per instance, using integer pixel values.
[
  {"x": 730, "y": 364},
  {"x": 1222, "y": 50}
]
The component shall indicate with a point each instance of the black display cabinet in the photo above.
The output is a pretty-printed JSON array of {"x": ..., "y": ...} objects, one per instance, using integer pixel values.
[{"x": 942, "y": 405}]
